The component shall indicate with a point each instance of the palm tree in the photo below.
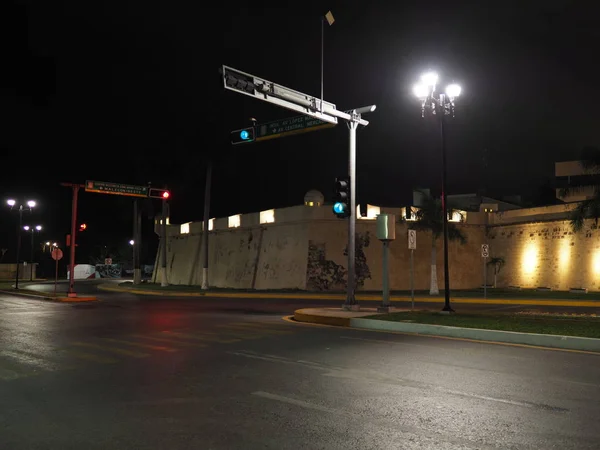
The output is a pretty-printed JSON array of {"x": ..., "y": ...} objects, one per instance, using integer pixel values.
[
  {"x": 590, "y": 207},
  {"x": 430, "y": 218},
  {"x": 497, "y": 263}
]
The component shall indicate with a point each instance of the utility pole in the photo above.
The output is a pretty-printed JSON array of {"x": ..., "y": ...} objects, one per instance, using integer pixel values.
[
  {"x": 75, "y": 188},
  {"x": 137, "y": 242},
  {"x": 205, "y": 227}
]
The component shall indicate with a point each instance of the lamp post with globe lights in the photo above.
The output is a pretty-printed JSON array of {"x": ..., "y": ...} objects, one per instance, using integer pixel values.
[
  {"x": 28, "y": 206},
  {"x": 440, "y": 105},
  {"x": 37, "y": 228}
]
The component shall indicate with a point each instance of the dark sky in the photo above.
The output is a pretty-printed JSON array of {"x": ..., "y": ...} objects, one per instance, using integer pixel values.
[{"x": 128, "y": 91}]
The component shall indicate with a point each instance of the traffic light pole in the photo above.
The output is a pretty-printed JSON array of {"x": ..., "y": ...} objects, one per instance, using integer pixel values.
[
  {"x": 72, "y": 292},
  {"x": 206, "y": 226},
  {"x": 137, "y": 242},
  {"x": 351, "y": 303},
  {"x": 163, "y": 253}
]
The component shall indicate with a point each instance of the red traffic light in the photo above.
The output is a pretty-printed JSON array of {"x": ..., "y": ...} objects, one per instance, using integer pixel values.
[
  {"x": 163, "y": 194},
  {"x": 82, "y": 227}
]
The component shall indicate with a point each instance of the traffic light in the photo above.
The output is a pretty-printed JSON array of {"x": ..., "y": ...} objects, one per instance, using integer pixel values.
[
  {"x": 163, "y": 194},
  {"x": 238, "y": 81},
  {"x": 82, "y": 227},
  {"x": 341, "y": 206},
  {"x": 242, "y": 136}
]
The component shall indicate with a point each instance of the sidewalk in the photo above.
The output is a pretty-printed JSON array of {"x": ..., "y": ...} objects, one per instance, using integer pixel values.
[
  {"x": 363, "y": 320},
  {"x": 194, "y": 291}
]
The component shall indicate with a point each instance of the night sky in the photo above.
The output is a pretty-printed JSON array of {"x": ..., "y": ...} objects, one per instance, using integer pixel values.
[{"x": 128, "y": 91}]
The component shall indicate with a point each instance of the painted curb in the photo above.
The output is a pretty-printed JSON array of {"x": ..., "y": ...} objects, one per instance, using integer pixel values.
[
  {"x": 508, "y": 337},
  {"x": 511, "y": 337},
  {"x": 111, "y": 288},
  {"x": 20, "y": 293},
  {"x": 342, "y": 297}
]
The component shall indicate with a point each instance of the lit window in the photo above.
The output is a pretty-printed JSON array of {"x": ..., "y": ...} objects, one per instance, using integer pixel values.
[
  {"x": 211, "y": 224},
  {"x": 184, "y": 228},
  {"x": 267, "y": 216},
  {"x": 234, "y": 221},
  {"x": 310, "y": 203}
]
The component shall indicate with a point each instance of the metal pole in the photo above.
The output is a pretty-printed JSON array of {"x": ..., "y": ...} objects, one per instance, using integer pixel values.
[
  {"x": 31, "y": 266},
  {"x": 412, "y": 279},
  {"x": 136, "y": 244},
  {"x": 72, "y": 292},
  {"x": 55, "y": 276},
  {"x": 442, "y": 112},
  {"x": 205, "y": 223},
  {"x": 386, "y": 274},
  {"x": 163, "y": 254},
  {"x": 351, "y": 303},
  {"x": 322, "y": 57},
  {"x": 484, "y": 279},
  {"x": 20, "y": 227}
]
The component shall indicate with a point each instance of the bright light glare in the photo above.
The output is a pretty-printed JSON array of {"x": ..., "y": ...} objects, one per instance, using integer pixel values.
[
  {"x": 11, "y": 202},
  {"x": 55, "y": 244},
  {"x": 48, "y": 244},
  {"x": 131, "y": 242},
  {"x": 31, "y": 203},
  {"x": 26, "y": 227},
  {"x": 453, "y": 90},
  {"x": 529, "y": 259},
  {"x": 421, "y": 91},
  {"x": 429, "y": 79},
  {"x": 38, "y": 227}
]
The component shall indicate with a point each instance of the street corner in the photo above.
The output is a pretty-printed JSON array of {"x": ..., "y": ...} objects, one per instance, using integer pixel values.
[{"x": 331, "y": 316}]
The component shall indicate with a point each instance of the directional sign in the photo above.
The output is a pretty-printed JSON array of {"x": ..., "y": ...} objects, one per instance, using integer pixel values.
[
  {"x": 485, "y": 251},
  {"x": 412, "y": 239},
  {"x": 103, "y": 187},
  {"x": 267, "y": 91},
  {"x": 57, "y": 254},
  {"x": 289, "y": 126}
]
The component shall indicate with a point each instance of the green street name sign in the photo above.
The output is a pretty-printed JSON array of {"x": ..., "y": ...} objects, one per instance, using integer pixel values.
[
  {"x": 288, "y": 127},
  {"x": 103, "y": 187}
]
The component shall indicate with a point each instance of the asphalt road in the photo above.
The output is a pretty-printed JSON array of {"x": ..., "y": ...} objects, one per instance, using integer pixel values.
[{"x": 154, "y": 373}]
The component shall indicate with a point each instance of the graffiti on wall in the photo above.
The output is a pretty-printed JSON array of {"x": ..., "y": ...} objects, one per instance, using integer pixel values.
[{"x": 323, "y": 274}]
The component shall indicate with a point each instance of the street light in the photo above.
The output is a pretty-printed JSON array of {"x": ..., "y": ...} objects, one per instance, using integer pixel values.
[
  {"x": 32, "y": 229},
  {"x": 30, "y": 205},
  {"x": 439, "y": 105}
]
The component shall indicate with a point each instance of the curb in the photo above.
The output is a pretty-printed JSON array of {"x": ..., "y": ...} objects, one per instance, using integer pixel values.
[
  {"x": 342, "y": 297},
  {"x": 111, "y": 288},
  {"x": 19, "y": 293},
  {"x": 507, "y": 337}
]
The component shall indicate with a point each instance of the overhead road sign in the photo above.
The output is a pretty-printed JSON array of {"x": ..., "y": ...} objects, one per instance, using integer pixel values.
[
  {"x": 289, "y": 127},
  {"x": 261, "y": 89},
  {"x": 102, "y": 187}
]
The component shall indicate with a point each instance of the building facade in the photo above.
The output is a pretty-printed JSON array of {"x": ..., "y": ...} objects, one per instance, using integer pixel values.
[{"x": 303, "y": 247}]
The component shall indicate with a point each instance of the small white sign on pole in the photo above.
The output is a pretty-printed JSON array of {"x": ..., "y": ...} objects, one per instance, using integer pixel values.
[
  {"x": 412, "y": 239},
  {"x": 485, "y": 251}
]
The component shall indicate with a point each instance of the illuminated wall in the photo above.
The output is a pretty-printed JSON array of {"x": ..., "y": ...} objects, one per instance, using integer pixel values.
[{"x": 547, "y": 254}]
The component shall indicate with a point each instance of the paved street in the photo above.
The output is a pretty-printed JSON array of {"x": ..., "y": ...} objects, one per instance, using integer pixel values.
[{"x": 157, "y": 373}]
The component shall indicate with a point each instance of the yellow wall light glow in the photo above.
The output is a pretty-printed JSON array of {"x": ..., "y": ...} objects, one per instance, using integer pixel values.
[
  {"x": 596, "y": 262},
  {"x": 529, "y": 260}
]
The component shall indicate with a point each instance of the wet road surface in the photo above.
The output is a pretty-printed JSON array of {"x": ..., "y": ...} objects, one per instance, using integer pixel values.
[{"x": 156, "y": 373}]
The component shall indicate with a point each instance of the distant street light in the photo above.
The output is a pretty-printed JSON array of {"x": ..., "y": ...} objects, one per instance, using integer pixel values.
[
  {"x": 32, "y": 229},
  {"x": 439, "y": 105},
  {"x": 30, "y": 205},
  {"x": 131, "y": 242}
]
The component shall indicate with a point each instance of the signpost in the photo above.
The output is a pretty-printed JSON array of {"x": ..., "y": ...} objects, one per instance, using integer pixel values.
[
  {"x": 412, "y": 245},
  {"x": 102, "y": 187},
  {"x": 57, "y": 254},
  {"x": 267, "y": 91},
  {"x": 485, "y": 254}
]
